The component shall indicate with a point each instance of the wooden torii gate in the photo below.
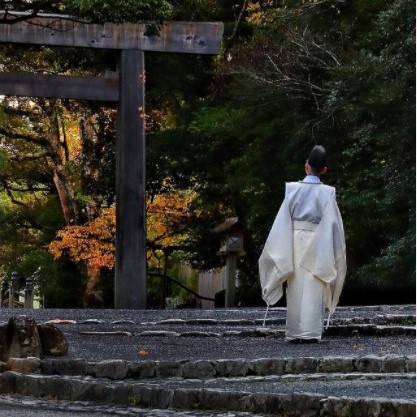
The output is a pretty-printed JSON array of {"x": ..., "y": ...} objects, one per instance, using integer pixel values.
[{"x": 127, "y": 88}]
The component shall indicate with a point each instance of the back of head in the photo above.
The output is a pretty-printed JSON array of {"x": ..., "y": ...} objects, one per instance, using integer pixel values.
[{"x": 317, "y": 158}]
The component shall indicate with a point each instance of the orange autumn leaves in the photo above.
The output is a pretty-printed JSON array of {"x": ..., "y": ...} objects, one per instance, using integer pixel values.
[{"x": 93, "y": 243}]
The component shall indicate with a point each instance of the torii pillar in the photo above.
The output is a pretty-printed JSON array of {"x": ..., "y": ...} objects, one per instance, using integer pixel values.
[{"x": 127, "y": 88}]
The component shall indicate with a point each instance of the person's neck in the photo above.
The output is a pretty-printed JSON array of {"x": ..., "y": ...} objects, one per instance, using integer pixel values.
[{"x": 312, "y": 178}]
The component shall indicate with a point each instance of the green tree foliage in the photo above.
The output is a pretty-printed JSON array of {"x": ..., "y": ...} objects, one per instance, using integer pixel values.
[
  {"x": 375, "y": 104},
  {"x": 50, "y": 151},
  {"x": 340, "y": 74},
  {"x": 30, "y": 212},
  {"x": 120, "y": 11}
]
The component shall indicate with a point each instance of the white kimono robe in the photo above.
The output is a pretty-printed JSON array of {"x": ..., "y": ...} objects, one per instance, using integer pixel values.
[{"x": 306, "y": 248}]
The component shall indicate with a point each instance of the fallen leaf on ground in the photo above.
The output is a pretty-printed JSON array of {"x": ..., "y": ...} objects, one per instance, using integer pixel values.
[{"x": 142, "y": 353}]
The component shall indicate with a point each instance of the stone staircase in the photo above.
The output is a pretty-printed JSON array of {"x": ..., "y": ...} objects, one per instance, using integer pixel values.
[{"x": 225, "y": 361}]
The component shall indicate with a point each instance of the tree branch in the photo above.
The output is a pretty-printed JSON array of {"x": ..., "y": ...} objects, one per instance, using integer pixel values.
[
  {"x": 235, "y": 29},
  {"x": 21, "y": 10},
  {"x": 26, "y": 188},
  {"x": 10, "y": 194},
  {"x": 30, "y": 157},
  {"x": 28, "y": 137}
]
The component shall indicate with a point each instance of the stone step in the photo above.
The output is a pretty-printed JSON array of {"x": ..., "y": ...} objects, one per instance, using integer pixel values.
[
  {"x": 262, "y": 331},
  {"x": 203, "y": 369},
  {"x": 23, "y": 406},
  {"x": 380, "y": 319},
  {"x": 386, "y": 319},
  {"x": 392, "y": 397},
  {"x": 89, "y": 316},
  {"x": 390, "y": 322}
]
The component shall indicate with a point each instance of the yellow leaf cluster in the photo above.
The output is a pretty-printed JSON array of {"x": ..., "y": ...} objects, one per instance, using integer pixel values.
[
  {"x": 166, "y": 214},
  {"x": 72, "y": 136},
  {"x": 255, "y": 15}
]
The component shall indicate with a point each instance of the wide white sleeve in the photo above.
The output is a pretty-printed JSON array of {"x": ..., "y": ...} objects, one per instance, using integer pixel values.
[
  {"x": 276, "y": 261},
  {"x": 325, "y": 257}
]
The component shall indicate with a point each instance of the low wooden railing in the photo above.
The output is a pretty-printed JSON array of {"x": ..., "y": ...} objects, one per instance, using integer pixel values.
[{"x": 11, "y": 296}]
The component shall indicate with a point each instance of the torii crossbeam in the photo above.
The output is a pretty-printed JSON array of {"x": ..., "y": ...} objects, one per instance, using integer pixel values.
[{"x": 127, "y": 88}]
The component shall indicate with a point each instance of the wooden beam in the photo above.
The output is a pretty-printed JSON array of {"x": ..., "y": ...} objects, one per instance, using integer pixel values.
[
  {"x": 130, "y": 270},
  {"x": 182, "y": 37},
  {"x": 59, "y": 86}
]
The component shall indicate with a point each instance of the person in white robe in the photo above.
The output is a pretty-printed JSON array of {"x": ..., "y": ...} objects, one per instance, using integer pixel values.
[{"x": 306, "y": 249}]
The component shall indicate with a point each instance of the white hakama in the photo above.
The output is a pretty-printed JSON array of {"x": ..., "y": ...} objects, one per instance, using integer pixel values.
[{"x": 305, "y": 294}]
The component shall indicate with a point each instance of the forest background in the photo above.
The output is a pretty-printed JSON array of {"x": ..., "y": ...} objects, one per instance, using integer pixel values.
[{"x": 223, "y": 134}]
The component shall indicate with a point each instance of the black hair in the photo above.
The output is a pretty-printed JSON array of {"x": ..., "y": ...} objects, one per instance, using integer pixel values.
[{"x": 317, "y": 158}]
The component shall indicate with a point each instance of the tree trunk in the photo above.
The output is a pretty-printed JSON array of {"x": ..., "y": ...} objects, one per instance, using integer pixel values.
[{"x": 62, "y": 182}]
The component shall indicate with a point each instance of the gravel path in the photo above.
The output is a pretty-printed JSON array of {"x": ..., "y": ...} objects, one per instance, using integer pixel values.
[
  {"x": 206, "y": 346},
  {"x": 177, "y": 348}
]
